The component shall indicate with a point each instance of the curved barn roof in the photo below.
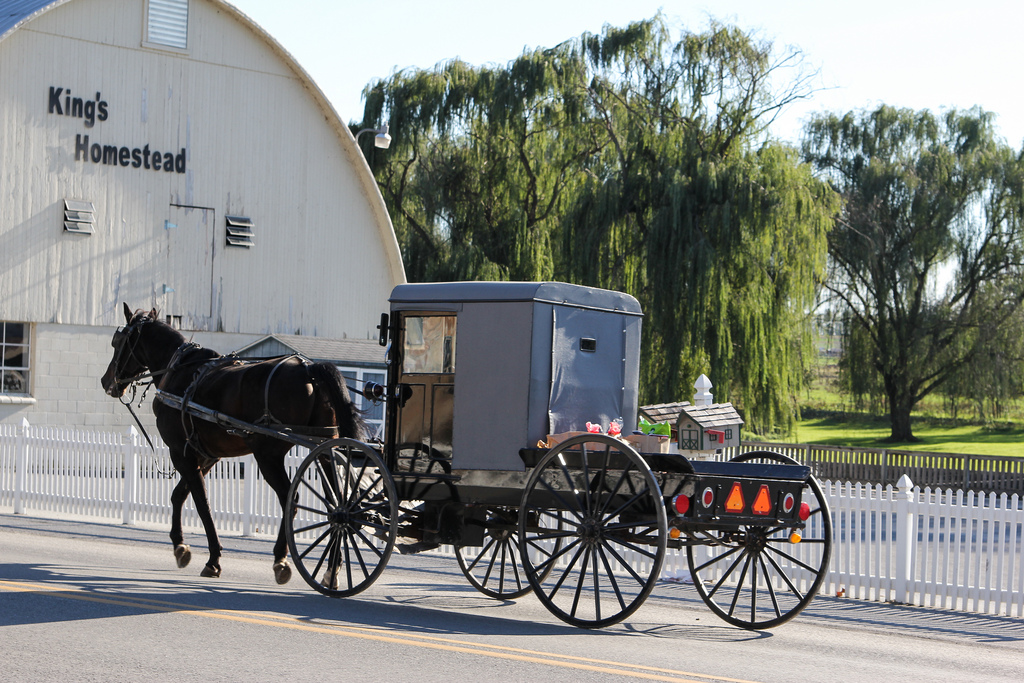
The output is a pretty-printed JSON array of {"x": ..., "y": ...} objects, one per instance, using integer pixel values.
[{"x": 16, "y": 13}]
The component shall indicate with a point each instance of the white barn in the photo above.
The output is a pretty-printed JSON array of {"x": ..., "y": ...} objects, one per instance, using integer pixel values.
[{"x": 171, "y": 155}]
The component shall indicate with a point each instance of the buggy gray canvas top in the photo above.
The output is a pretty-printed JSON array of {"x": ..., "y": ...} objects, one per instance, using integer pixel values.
[{"x": 512, "y": 362}]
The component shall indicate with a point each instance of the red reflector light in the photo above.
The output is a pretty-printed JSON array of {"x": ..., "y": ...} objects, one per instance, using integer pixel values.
[
  {"x": 763, "y": 501},
  {"x": 788, "y": 502},
  {"x": 805, "y": 512},
  {"x": 734, "y": 503},
  {"x": 681, "y": 503},
  {"x": 707, "y": 499}
]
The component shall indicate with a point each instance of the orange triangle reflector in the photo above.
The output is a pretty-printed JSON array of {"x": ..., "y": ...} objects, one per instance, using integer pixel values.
[
  {"x": 763, "y": 501},
  {"x": 734, "y": 503}
]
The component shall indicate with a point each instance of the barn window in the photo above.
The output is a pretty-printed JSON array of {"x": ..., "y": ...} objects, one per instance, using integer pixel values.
[
  {"x": 239, "y": 231},
  {"x": 167, "y": 23},
  {"x": 14, "y": 358},
  {"x": 79, "y": 216}
]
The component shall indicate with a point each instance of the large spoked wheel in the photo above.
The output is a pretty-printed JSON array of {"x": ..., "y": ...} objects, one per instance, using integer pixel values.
[
  {"x": 494, "y": 568},
  {"x": 342, "y": 516},
  {"x": 758, "y": 578},
  {"x": 615, "y": 533}
]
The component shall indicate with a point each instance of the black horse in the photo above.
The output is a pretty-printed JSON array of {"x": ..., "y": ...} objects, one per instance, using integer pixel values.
[{"x": 287, "y": 393}]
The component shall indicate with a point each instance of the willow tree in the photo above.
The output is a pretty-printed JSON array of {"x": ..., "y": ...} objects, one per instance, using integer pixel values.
[
  {"x": 719, "y": 231},
  {"x": 928, "y": 256},
  {"x": 628, "y": 160},
  {"x": 481, "y": 162}
]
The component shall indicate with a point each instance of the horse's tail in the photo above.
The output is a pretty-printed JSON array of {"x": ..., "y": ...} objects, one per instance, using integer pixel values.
[{"x": 349, "y": 418}]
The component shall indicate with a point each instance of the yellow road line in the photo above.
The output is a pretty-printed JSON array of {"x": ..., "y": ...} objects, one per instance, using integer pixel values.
[{"x": 381, "y": 635}]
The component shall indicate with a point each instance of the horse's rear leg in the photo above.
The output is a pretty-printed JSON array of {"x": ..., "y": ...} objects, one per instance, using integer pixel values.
[
  {"x": 271, "y": 464},
  {"x": 182, "y": 552}
]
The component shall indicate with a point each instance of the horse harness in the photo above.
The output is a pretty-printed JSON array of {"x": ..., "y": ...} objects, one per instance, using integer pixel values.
[
  {"x": 267, "y": 419},
  {"x": 179, "y": 360}
]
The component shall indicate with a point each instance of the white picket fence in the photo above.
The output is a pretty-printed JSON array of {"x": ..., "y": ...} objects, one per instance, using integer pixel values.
[{"x": 945, "y": 549}]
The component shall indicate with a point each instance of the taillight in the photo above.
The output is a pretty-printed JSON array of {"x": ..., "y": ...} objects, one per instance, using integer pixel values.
[
  {"x": 682, "y": 504},
  {"x": 707, "y": 498},
  {"x": 788, "y": 502},
  {"x": 805, "y": 512},
  {"x": 734, "y": 503},
  {"x": 762, "y": 502}
]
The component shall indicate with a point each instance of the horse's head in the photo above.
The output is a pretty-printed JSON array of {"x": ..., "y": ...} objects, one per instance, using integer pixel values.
[{"x": 129, "y": 360}]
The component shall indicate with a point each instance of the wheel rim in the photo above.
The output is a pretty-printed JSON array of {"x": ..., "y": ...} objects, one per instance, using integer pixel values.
[
  {"x": 612, "y": 548},
  {"x": 494, "y": 568},
  {"x": 340, "y": 523},
  {"x": 756, "y": 578}
]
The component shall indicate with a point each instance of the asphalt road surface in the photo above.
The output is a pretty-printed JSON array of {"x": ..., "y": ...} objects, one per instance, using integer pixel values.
[{"x": 94, "y": 602}]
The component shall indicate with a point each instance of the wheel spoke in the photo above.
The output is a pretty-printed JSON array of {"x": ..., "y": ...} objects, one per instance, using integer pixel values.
[
  {"x": 719, "y": 558},
  {"x": 611, "y": 575},
  {"x": 784, "y": 576},
  {"x": 771, "y": 589},
  {"x": 799, "y": 563},
  {"x": 739, "y": 586},
  {"x": 580, "y": 582},
  {"x": 726, "y": 574},
  {"x": 483, "y": 551},
  {"x": 622, "y": 562},
  {"x": 558, "y": 494}
]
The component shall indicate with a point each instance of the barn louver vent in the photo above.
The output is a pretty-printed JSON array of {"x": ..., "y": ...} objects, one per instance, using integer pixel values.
[
  {"x": 167, "y": 23},
  {"x": 78, "y": 216},
  {"x": 239, "y": 231}
]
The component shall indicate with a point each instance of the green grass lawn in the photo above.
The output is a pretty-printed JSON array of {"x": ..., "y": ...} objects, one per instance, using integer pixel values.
[
  {"x": 869, "y": 432},
  {"x": 843, "y": 426}
]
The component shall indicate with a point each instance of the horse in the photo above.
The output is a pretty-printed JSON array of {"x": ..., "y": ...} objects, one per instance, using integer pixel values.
[{"x": 286, "y": 393}]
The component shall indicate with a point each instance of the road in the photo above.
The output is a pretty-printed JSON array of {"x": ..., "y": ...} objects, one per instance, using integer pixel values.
[{"x": 92, "y": 602}]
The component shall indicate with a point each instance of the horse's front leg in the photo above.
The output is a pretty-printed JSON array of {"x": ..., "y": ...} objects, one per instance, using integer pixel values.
[
  {"x": 182, "y": 552},
  {"x": 195, "y": 479}
]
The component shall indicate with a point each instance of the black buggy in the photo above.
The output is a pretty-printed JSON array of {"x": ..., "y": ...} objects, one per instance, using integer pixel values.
[{"x": 479, "y": 375}]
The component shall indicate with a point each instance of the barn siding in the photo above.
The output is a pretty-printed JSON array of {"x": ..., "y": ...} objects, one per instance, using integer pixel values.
[
  {"x": 259, "y": 139},
  {"x": 258, "y": 143}
]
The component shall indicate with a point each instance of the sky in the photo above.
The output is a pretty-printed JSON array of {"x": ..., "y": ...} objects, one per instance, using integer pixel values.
[{"x": 922, "y": 55}]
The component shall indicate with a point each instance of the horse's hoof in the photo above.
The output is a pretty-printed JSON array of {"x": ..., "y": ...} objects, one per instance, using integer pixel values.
[
  {"x": 282, "y": 572},
  {"x": 331, "y": 581},
  {"x": 183, "y": 554},
  {"x": 210, "y": 572}
]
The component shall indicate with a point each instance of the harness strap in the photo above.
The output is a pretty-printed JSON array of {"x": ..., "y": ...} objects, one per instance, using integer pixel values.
[{"x": 268, "y": 418}]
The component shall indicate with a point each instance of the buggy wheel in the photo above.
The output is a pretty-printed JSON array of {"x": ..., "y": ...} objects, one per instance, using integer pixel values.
[
  {"x": 341, "y": 520},
  {"x": 494, "y": 568},
  {"x": 611, "y": 549},
  {"x": 758, "y": 578}
]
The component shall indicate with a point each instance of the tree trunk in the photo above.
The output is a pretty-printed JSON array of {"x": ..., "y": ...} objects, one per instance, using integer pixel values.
[{"x": 899, "y": 419}]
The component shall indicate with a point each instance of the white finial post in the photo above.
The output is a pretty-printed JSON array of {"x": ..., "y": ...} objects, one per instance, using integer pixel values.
[{"x": 703, "y": 397}]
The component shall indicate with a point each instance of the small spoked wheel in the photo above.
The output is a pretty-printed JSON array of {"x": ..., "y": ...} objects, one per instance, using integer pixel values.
[
  {"x": 601, "y": 566},
  {"x": 494, "y": 568},
  {"x": 342, "y": 515},
  {"x": 760, "y": 576}
]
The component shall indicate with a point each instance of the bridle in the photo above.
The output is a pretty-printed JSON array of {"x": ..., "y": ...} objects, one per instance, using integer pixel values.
[
  {"x": 123, "y": 341},
  {"x": 126, "y": 339}
]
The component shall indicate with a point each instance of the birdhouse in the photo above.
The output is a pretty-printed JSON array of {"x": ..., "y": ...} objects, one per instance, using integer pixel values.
[{"x": 705, "y": 426}]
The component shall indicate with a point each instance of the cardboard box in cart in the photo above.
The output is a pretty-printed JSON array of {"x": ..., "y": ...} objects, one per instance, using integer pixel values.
[{"x": 649, "y": 443}]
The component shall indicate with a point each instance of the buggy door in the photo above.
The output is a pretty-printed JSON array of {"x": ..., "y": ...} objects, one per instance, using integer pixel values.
[{"x": 427, "y": 378}]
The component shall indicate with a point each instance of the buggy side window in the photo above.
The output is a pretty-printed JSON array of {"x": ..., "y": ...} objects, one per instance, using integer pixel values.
[{"x": 429, "y": 344}]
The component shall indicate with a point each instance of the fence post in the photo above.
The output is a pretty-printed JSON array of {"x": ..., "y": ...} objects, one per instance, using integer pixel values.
[
  {"x": 967, "y": 472},
  {"x": 130, "y": 451},
  {"x": 906, "y": 536},
  {"x": 249, "y": 495},
  {"x": 21, "y": 466}
]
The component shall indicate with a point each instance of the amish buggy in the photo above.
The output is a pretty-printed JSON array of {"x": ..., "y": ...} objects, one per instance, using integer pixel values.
[{"x": 490, "y": 390}]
